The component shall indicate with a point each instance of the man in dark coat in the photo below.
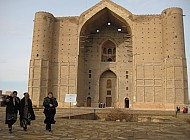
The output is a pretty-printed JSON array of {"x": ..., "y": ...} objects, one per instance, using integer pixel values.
[
  {"x": 26, "y": 111},
  {"x": 12, "y": 107},
  {"x": 50, "y": 104}
]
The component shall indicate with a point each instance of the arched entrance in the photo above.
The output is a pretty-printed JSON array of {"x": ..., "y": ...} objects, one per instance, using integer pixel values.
[
  {"x": 89, "y": 102},
  {"x": 107, "y": 86},
  {"x": 126, "y": 102},
  {"x": 99, "y": 38}
]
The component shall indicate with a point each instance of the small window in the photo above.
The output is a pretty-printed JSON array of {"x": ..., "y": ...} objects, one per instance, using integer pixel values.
[
  {"x": 90, "y": 71},
  {"x": 127, "y": 72},
  {"x": 109, "y": 83},
  {"x": 127, "y": 88},
  {"x": 89, "y": 76},
  {"x": 127, "y": 76},
  {"x": 109, "y": 92}
]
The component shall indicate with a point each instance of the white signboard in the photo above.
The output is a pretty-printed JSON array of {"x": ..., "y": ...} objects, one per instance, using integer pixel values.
[{"x": 70, "y": 98}]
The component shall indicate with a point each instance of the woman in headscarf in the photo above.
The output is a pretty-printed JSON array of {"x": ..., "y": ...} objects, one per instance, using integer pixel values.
[
  {"x": 50, "y": 104},
  {"x": 26, "y": 111},
  {"x": 12, "y": 103}
]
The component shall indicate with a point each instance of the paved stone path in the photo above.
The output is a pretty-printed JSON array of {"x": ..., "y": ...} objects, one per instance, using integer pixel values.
[{"x": 65, "y": 129}]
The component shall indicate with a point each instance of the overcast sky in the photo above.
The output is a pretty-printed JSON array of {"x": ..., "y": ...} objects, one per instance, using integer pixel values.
[{"x": 16, "y": 29}]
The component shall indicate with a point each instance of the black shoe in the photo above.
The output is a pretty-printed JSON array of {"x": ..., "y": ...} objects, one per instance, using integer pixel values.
[
  {"x": 49, "y": 130},
  {"x": 10, "y": 130},
  {"x": 25, "y": 129}
]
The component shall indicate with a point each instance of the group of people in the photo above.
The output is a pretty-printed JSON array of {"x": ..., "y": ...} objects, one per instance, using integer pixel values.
[
  {"x": 184, "y": 110},
  {"x": 26, "y": 112}
]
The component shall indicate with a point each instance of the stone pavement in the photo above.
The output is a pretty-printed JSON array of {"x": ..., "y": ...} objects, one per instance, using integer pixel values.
[{"x": 64, "y": 129}]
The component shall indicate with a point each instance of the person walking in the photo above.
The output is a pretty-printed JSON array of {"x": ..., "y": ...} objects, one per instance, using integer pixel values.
[
  {"x": 178, "y": 109},
  {"x": 26, "y": 111},
  {"x": 50, "y": 104},
  {"x": 12, "y": 103}
]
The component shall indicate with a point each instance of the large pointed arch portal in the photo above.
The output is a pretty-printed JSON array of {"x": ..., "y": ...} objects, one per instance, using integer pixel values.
[{"x": 99, "y": 39}]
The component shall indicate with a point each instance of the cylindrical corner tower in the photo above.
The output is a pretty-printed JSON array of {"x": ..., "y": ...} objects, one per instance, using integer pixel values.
[
  {"x": 42, "y": 36},
  {"x": 41, "y": 56},
  {"x": 173, "y": 35},
  {"x": 175, "y": 79}
]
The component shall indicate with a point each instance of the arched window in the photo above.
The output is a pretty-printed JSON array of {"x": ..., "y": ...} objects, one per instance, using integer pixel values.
[
  {"x": 126, "y": 102},
  {"x": 108, "y": 83},
  {"x": 108, "y": 51},
  {"x": 89, "y": 102}
]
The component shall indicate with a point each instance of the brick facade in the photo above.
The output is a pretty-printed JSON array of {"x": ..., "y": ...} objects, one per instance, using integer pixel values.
[{"x": 109, "y": 55}]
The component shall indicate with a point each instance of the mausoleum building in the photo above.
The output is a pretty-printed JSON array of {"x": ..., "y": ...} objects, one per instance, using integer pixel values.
[{"x": 109, "y": 55}]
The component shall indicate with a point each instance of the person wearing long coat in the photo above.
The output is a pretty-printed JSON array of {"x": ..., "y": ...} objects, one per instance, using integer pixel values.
[
  {"x": 50, "y": 104},
  {"x": 12, "y": 103},
  {"x": 26, "y": 111}
]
